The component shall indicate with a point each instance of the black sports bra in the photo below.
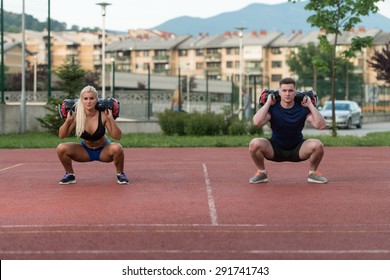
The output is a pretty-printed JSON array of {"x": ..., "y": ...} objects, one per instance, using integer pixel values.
[{"x": 99, "y": 133}]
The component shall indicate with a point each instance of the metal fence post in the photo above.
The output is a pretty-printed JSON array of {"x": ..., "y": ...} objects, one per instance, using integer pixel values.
[{"x": 149, "y": 103}]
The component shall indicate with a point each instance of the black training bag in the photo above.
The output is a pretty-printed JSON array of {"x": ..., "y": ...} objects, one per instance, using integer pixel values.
[
  {"x": 298, "y": 97},
  {"x": 102, "y": 105}
]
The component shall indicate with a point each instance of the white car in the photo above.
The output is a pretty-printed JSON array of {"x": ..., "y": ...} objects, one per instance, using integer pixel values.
[{"x": 348, "y": 114}]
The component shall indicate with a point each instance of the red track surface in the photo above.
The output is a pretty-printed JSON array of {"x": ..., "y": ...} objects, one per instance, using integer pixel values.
[{"x": 195, "y": 203}]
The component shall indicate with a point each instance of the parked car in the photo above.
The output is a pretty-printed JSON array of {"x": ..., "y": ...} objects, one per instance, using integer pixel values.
[{"x": 348, "y": 114}]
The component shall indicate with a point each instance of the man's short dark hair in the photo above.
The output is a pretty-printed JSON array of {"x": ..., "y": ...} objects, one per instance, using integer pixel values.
[{"x": 287, "y": 81}]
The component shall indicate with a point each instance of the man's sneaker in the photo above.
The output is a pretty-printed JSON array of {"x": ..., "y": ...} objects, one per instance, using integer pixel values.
[
  {"x": 68, "y": 179},
  {"x": 122, "y": 179},
  {"x": 260, "y": 177},
  {"x": 316, "y": 177}
]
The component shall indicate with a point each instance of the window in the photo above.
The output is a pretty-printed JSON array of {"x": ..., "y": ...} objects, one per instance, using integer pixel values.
[
  {"x": 161, "y": 52},
  {"x": 232, "y": 51},
  {"x": 182, "y": 52},
  {"x": 199, "y": 65},
  {"x": 276, "y": 78},
  {"x": 145, "y": 66},
  {"x": 213, "y": 65},
  {"x": 276, "y": 64},
  {"x": 199, "y": 52},
  {"x": 276, "y": 51},
  {"x": 213, "y": 51},
  {"x": 229, "y": 64}
]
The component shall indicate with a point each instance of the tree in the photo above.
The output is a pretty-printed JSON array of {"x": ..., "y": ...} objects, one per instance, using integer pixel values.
[
  {"x": 305, "y": 59},
  {"x": 380, "y": 61},
  {"x": 73, "y": 79},
  {"x": 12, "y": 23},
  {"x": 312, "y": 56},
  {"x": 335, "y": 16}
]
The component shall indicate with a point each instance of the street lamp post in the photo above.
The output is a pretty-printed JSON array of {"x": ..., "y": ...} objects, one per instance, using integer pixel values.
[
  {"x": 103, "y": 5},
  {"x": 48, "y": 51},
  {"x": 240, "y": 34},
  {"x": 23, "y": 118},
  {"x": 189, "y": 64},
  {"x": 35, "y": 77},
  {"x": 113, "y": 77},
  {"x": 2, "y": 101}
]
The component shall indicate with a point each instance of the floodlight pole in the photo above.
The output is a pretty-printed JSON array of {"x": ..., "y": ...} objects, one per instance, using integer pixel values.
[
  {"x": 48, "y": 51},
  {"x": 2, "y": 101},
  {"x": 103, "y": 5},
  {"x": 23, "y": 118},
  {"x": 240, "y": 34}
]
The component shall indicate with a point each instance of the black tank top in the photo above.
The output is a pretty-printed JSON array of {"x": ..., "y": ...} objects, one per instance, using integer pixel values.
[{"x": 99, "y": 133}]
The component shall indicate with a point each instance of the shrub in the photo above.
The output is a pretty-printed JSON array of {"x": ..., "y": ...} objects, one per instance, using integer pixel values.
[
  {"x": 52, "y": 121},
  {"x": 253, "y": 130},
  {"x": 179, "y": 123},
  {"x": 172, "y": 123},
  {"x": 237, "y": 128},
  {"x": 204, "y": 124}
]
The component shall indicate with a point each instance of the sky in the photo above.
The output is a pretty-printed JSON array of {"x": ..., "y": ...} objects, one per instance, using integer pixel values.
[{"x": 122, "y": 15}]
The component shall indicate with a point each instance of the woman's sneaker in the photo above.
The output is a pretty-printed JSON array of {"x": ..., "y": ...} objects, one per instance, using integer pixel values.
[
  {"x": 316, "y": 177},
  {"x": 68, "y": 178},
  {"x": 122, "y": 179},
  {"x": 260, "y": 177}
]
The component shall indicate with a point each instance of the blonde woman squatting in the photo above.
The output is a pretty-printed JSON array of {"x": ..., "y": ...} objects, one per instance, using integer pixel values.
[{"x": 90, "y": 125}]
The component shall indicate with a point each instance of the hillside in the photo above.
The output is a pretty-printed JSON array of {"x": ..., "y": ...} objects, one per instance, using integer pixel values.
[
  {"x": 12, "y": 23},
  {"x": 281, "y": 17}
]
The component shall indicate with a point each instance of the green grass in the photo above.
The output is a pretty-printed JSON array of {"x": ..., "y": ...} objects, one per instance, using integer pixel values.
[{"x": 156, "y": 140}]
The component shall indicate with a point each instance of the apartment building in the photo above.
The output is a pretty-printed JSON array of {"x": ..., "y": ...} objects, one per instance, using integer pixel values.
[
  {"x": 13, "y": 57},
  {"x": 264, "y": 53},
  {"x": 83, "y": 48},
  {"x": 13, "y": 52},
  {"x": 142, "y": 54}
]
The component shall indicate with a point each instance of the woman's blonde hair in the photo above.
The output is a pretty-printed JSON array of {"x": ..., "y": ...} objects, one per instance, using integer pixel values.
[{"x": 80, "y": 113}]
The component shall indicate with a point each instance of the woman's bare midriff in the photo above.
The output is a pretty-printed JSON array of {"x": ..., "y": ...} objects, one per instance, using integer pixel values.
[{"x": 95, "y": 144}]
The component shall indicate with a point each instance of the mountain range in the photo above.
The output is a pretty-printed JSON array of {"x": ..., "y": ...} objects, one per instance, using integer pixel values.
[{"x": 284, "y": 17}]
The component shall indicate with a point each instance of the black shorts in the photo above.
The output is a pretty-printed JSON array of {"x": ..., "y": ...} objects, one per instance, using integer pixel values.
[{"x": 285, "y": 155}]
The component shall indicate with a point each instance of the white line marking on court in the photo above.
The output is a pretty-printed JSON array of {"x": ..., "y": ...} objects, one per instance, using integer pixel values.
[
  {"x": 52, "y": 252},
  {"x": 212, "y": 209},
  {"x": 9, "y": 167},
  {"x": 265, "y": 226}
]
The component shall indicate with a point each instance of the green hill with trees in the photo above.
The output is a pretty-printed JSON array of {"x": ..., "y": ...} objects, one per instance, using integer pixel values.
[{"x": 13, "y": 23}]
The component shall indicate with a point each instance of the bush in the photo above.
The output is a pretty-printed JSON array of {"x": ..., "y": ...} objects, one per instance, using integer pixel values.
[
  {"x": 204, "y": 124},
  {"x": 172, "y": 123},
  {"x": 52, "y": 120},
  {"x": 254, "y": 130},
  {"x": 179, "y": 123},
  {"x": 237, "y": 128}
]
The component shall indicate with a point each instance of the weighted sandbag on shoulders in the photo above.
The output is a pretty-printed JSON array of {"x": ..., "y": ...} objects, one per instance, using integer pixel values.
[
  {"x": 66, "y": 106},
  {"x": 298, "y": 97},
  {"x": 102, "y": 105},
  {"x": 109, "y": 104}
]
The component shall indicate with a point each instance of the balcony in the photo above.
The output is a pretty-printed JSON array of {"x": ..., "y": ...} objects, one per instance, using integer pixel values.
[
  {"x": 160, "y": 71},
  {"x": 214, "y": 70},
  {"x": 161, "y": 58},
  {"x": 253, "y": 70},
  {"x": 213, "y": 57}
]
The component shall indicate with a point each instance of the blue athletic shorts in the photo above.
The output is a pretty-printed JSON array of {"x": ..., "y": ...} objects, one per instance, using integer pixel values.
[{"x": 94, "y": 154}]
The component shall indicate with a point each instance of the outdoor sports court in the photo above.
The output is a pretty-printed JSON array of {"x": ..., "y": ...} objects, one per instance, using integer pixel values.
[{"x": 195, "y": 203}]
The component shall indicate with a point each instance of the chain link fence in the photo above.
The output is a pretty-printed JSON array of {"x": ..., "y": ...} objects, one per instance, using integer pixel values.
[{"x": 146, "y": 95}]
